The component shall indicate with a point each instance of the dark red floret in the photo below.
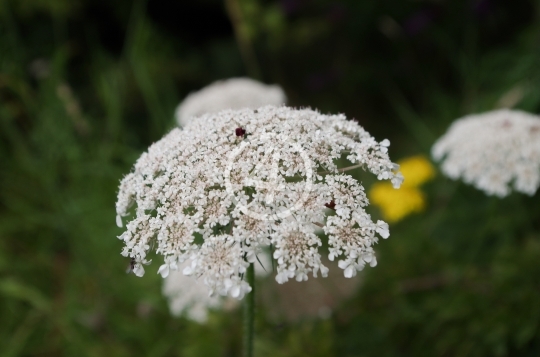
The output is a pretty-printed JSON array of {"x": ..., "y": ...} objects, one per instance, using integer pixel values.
[
  {"x": 331, "y": 205},
  {"x": 240, "y": 132}
]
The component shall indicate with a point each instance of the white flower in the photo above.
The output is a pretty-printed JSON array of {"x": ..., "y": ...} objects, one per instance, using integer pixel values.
[
  {"x": 191, "y": 297},
  {"x": 188, "y": 295},
  {"x": 493, "y": 151},
  {"x": 234, "y": 93},
  {"x": 235, "y": 183}
]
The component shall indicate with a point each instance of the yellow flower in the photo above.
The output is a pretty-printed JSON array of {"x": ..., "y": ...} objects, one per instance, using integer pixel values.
[
  {"x": 399, "y": 203},
  {"x": 416, "y": 170}
]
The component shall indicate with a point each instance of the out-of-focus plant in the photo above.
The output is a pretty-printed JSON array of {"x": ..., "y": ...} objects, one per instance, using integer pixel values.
[
  {"x": 232, "y": 93},
  {"x": 396, "y": 204},
  {"x": 497, "y": 151}
]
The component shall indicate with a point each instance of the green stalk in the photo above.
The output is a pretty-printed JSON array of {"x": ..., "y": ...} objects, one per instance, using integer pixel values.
[
  {"x": 249, "y": 313},
  {"x": 243, "y": 38}
]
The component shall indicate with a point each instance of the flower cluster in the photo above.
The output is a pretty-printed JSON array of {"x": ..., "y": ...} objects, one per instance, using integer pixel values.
[
  {"x": 493, "y": 151},
  {"x": 234, "y": 93},
  {"x": 216, "y": 196},
  {"x": 397, "y": 204}
]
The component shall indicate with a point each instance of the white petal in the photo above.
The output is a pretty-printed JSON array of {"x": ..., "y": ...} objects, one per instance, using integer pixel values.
[
  {"x": 164, "y": 270},
  {"x": 324, "y": 271},
  {"x": 188, "y": 270},
  {"x": 382, "y": 229},
  {"x": 138, "y": 270},
  {"x": 349, "y": 272},
  {"x": 235, "y": 291}
]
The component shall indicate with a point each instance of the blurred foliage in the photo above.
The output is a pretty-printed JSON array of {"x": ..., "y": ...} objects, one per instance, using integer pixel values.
[{"x": 86, "y": 86}]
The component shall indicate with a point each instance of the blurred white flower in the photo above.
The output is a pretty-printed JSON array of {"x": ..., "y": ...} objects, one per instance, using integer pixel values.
[
  {"x": 234, "y": 93},
  {"x": 314, "y": 298},
  {"x": 493, "y": 151},
  {"x": 189, "y": 296},
  {"x": 234, "y": 183}
]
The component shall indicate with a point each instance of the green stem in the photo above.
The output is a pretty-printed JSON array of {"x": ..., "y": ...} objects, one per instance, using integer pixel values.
[
  {"x": 243, "y": 38},
  {"x": 249, "y": 313},
  {"x": 342, "y": 169}
]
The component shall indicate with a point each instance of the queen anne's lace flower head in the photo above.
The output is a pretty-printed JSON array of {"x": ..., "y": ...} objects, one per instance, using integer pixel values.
[
  {"x": 236, "y": 182},
  {"x": 234, "y": 93},
  {"x": 493, "y": 151}
]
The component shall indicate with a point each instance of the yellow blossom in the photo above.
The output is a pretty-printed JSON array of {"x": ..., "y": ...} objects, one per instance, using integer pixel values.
[
  {"x": 399, "y": 203},
  {"x": 416, "y": 170}
]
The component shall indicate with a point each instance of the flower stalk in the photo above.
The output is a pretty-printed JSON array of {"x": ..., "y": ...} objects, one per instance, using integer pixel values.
[
  {"x": 249, "y": 313},
  {"x": 241, "y": 33}
]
